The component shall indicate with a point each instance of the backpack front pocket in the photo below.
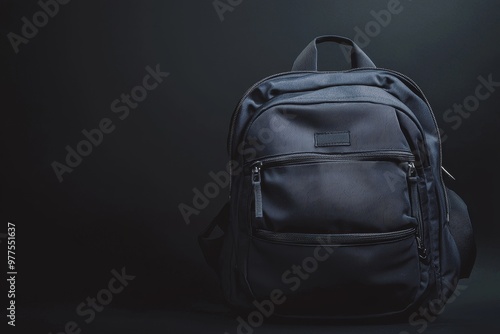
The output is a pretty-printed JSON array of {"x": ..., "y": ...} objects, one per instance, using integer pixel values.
[
  {"x": 334, "y": 193},
  {"x": 345, "y": 275},
  {"x": 340, "y": 233}
]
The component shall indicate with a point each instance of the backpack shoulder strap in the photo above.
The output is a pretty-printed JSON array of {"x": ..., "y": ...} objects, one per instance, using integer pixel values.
[
  {"x": 211, "y": 240},
  {"x": 461, "y": 230}
]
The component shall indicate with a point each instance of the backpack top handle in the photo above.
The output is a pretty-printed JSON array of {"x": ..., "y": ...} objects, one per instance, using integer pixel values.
[{"x": 308, "y": 58}]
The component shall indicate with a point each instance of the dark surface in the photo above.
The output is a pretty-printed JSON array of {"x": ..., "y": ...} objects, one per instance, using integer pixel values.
[
  {"x": 475, "y": 310},
  {"x": 120, "y": 206}
]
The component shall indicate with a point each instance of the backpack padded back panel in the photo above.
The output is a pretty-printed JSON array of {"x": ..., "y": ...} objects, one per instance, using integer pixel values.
[{"x": 338, "y": 207}]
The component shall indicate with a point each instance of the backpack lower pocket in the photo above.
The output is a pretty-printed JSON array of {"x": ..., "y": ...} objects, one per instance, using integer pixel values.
[{"x": 346, "y": 275}]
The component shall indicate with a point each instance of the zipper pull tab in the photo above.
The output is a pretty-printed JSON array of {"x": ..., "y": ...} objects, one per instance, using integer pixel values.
[
  {"x": 422, "y": 251},
  {"x": 412, "y": 171},
  {"x": 257, "y": 192}
]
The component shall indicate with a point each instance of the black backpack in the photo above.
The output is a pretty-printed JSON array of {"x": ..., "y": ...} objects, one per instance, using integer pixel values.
[{"x": 338, "y": 208}]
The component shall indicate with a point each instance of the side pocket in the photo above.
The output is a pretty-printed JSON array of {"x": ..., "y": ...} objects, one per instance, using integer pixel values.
[{"x": 461, "y": 230}]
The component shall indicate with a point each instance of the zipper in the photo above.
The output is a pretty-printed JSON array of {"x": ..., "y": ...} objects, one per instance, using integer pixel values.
[
  {"x": 334, "y": 239},
  {"x": 414, "y": 84},
  {"x": 396, "y": 73},
  {"x": 237, "y": 109},
  {"x": 302, "y": 158},
  {"x": 416, "y": 211},
  {"x": 257, "y": 192},
  {"x": 297, "y": 158}
]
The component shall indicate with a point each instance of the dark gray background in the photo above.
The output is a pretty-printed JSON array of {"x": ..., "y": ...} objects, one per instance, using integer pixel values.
[{"x": 120, "y": 206}]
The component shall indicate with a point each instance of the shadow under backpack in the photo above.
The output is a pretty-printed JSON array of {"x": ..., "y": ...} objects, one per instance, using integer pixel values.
[{"x": 338, "y": 208}]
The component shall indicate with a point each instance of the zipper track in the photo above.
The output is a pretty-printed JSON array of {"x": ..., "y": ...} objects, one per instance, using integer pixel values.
[
  {"x": 304, "y": 158},
  {"x": 237, "y": 109},
  {"x": 414, "y": 84},
  {"x": 396, "y": 73},
  {"x": 297, "y": 158},
  {"x": 336, "y": 239},
  {"x": 416, "y": 209}
]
